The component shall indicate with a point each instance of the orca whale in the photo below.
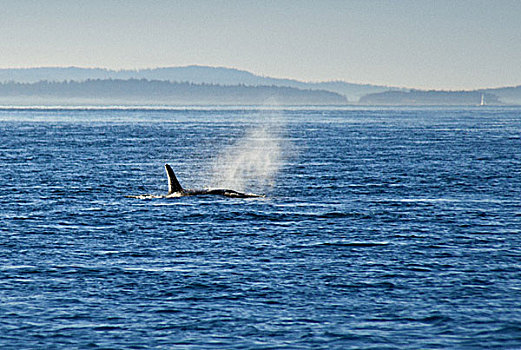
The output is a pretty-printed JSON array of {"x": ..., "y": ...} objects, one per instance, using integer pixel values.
[{"x": 176, "y": 190}]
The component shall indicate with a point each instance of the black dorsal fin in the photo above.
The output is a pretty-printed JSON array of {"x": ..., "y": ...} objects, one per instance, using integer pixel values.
[{"x": 173, "y": 185}]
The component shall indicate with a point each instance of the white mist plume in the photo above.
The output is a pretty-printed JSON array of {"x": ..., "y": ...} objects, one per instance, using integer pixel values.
[{"x": 252, "y": 163}]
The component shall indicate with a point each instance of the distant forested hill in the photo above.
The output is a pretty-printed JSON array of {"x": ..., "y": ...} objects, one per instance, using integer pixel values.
[
  {"x": 420, "y": 97},
  {"x": 222, "y": 76},
  {"x": 146, "y": 92},
  {"x": 508, "y": 95},
  {"x": 190, "y": 74}
]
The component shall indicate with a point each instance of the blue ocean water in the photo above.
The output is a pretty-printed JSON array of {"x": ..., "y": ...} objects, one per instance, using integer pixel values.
[{"x": 382, "y": 228}]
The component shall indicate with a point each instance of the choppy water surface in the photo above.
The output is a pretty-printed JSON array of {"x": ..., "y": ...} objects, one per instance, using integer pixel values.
[{"x": 381, "y": 228}]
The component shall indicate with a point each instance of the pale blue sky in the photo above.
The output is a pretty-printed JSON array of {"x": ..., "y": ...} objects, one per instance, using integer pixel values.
[{"x": 450, "y": 44}]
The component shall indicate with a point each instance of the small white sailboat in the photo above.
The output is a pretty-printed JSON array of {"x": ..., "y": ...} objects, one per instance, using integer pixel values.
[{"x": 482, "y": 103}]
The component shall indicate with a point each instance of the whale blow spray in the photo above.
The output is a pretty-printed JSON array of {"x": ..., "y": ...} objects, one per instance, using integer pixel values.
[{"x": 252, "y": 163}]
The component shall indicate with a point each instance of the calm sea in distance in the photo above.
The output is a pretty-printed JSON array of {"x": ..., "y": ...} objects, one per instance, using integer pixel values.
[{"x": 381, "y": 228}]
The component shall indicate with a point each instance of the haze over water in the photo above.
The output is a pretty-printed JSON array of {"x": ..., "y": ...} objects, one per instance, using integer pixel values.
[{"x": 381, "y": 228}]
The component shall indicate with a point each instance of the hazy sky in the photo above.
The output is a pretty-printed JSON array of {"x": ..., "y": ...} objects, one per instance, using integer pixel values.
[{"x": 451, "y": 44}]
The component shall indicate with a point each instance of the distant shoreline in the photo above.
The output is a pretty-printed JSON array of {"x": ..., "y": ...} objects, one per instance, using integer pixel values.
[
  {"x": 157, "y": 92},
  {"x": 231, "y": 107},
  {"x": 206, "y": 85}
]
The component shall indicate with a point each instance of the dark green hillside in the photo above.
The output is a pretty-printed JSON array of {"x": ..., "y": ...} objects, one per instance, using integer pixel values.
[{"x": 142, "y": 91}]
